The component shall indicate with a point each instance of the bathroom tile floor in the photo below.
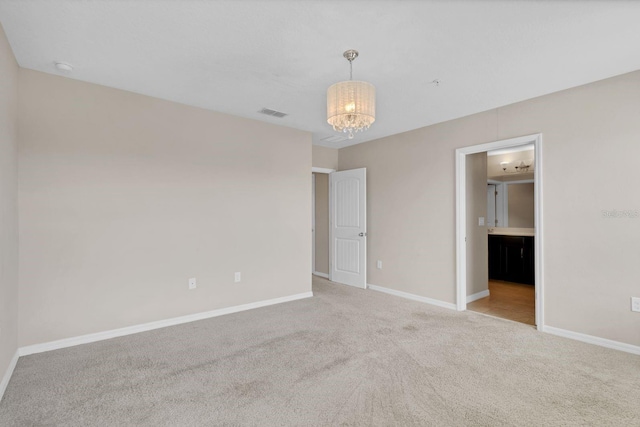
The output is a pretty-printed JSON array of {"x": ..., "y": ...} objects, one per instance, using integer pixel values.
[{"x": 507, "y": 300}]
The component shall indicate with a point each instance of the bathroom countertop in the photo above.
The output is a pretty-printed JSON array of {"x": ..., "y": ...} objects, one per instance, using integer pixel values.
[{"x": 511, "y": 231}]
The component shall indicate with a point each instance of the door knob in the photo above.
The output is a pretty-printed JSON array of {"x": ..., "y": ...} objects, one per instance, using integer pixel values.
[{"x": 362, "y": 234}]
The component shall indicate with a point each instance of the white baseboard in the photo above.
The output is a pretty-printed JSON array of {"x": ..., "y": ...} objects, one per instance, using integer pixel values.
[
  {"x": 7, "y": 374},
  {"x": 317, "y": 273},
  {"x": 99, "y": 336},
  {"x": 603, "y": 342},
  {"x": 412, "y": 297},
  {"x": 477, "y": 296}
]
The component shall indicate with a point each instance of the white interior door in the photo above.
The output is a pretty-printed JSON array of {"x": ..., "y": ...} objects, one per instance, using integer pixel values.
[
  {"x": 497, "y": 209},
  {"x": 502, "y": 205},
  {"x": 348, "y": 227},
  {"x": 491, "y": 206}
]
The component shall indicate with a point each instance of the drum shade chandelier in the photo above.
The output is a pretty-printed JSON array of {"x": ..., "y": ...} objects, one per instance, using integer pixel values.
[{"x": 351, "y": 105}]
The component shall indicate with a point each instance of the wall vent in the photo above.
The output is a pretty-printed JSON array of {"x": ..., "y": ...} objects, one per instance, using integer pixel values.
[{"x": 274, "y": 113}]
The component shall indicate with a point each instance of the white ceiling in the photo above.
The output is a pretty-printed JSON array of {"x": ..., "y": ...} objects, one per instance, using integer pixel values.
[{"x": 239, "y": 56}]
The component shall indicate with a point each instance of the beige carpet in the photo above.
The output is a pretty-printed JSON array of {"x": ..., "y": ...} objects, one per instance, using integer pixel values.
[{"x": 345, "y": 357}]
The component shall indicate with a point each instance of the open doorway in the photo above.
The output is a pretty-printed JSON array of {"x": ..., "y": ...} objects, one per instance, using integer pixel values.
[
  {"x": 320, "y": 222},
  {"x": 499, "y": 229},
  {"x": 511, "y": 236}
]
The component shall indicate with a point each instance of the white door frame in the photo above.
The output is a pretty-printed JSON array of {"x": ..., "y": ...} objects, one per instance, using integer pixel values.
[
  {"x": 461, "y": 212},
  {"x": 313, "y": 223},
  {"x": 313, "y": 217},
  {"x": 321, "y": 170}
]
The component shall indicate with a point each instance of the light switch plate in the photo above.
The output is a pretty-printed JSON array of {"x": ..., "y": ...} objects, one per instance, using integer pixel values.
[
  {"x": 192, "y": 283},
  {"x": 635, "y": 304},
  {"x": 237, "y": 277},
  {"x": 480, "y": 220}
]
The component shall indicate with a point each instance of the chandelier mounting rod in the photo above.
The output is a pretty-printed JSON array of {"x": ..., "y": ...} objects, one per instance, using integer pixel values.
[{"x": 350, "y": 54}]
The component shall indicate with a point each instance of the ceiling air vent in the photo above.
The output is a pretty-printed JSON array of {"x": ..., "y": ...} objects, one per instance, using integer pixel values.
[
  {"x": 273, "y": 113},
  {"x": 333, "y": 138}
]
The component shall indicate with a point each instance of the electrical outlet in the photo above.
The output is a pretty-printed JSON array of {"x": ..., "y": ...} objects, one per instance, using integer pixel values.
[
  {"x": 635, "y": 304},
  {"x": 480, "y": 220},
  {"x": 192, "y": 283},
  {"x": 379, "y": 264},
  {"x": 237, "y": 277}
]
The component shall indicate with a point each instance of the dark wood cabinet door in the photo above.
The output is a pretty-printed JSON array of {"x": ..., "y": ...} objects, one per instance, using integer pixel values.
[
  {"x": 495, "y": 243},
  {"x": 529, "y": 266},
  {"x": 511, "y": 258}
]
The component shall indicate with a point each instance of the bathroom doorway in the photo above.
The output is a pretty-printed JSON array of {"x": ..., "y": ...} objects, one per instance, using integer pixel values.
[
  {"x": 511, "y": 236},
  {"x": 499, "y": 224}
]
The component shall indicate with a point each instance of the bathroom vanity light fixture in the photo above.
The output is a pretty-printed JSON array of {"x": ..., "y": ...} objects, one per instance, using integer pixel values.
[
  {"x": 517, "y": 167},
  {"x": 351, "y": 104}
]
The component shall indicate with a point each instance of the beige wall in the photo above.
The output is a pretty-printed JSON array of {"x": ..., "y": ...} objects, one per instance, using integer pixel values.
[
  {"x": 322, "y": 223},
  {"x": 324, "y": 157},
  {"x": 8, "y": 205},
  {"x": 520, "y": 205},
  {"x": 411, "y": 203},
  {"x": 477, "y": 237},
  {"x": 591, "y": 267},
  {"x": 124, "y": 197}
]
